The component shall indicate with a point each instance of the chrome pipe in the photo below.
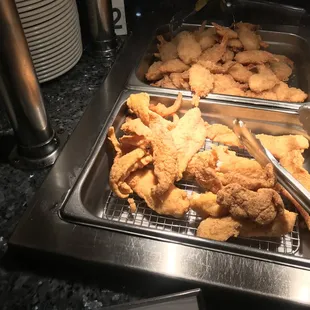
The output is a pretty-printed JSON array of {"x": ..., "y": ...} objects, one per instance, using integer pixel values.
[{"x": 37, "y": 144}]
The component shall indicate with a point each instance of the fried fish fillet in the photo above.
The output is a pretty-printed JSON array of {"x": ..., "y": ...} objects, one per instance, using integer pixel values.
[
  {"x": 121, "y": 169},
  {"x": 205, "y": 205},
  {"x": 164, "y": 111},
  {"x": 260, "y": 207},
  {"x": 200, "y": 80},
  {"x": 139, "y": 105},
  {"x": 188, "y": 136},
  {"x": 165, "y": 155},
  {"x": 280, "y": 146},
  {"x": 173, "y": 202}
]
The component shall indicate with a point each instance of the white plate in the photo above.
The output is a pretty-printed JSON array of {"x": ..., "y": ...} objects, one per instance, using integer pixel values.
[
  {"x": 50, "y": 32},
  {"x": 43, "y": 12},
  {"x": 48, "y": 25},
  {"x": 44, "y": 48},
  {"x": 43, "y": 77},
  {"x": 59, "y": 60},
  {"x": 43, "y": 18},
  {"x": 21, "y": 7},
  {"x": 64, "y": 47}
]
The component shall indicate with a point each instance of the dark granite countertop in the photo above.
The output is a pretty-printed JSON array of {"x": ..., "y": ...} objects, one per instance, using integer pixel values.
[{"x": 66, "y": 99}]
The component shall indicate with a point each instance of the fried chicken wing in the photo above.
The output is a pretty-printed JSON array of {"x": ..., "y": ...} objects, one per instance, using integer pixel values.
[
  {"x": 154, "y": 73},
  {"x": 173, "y": 65},
  {"x": 254, "y": 57},
  {"x": 164, "y": 111},
  {"x": 167, "y": 50},
  {"x": 165, "y": 155},
  {"x": 280, "y": 146},
  {"x": 173, "y": 202},
  {"x": 205, "y": 205},
  {"x": 220, "y": 229},
  {"x": 188, "y": 48},
  {"x": 189, "y": 136},
  {"x": 200, "y": 80},
  {"x": 139, "y": 105},
  {"x": 121, "y": 169},
  {"x": 240, "y": 73},
  {"x": 260, "y": 207},
  {"x": 264, "y": 80}
]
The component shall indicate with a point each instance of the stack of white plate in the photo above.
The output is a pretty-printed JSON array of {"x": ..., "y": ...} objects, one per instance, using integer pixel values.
[{"x": 53, "y": 33}]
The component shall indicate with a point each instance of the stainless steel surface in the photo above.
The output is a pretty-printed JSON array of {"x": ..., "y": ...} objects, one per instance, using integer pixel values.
[
  {"x": 263, "y": 156},
  {"x": 100, "y": 18},
  {"x": 42, "y": 229},
  {"x": 20, "y": 92},
  {"x": 304, "y": 116},
  {"x": 293, "y": 42}
]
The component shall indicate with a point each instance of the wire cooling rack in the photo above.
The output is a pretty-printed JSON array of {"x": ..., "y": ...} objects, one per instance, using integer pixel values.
[{"x": 117, "y": 210}]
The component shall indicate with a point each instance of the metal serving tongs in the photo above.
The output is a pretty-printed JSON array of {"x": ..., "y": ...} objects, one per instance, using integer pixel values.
[
  {"x": 179, "y": 18},
  {"x": 264, "y": 157}
]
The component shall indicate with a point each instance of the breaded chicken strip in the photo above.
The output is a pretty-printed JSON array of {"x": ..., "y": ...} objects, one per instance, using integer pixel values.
[
  {"x": 189, "y": 136},
  {"x": 260, "y": 207},
  {"x": 167, "y": 50},
  {"x": 173, "y": 202},
  {"x": 280, "y": 146},
  {"x": 188, "y": 48},
  {"x": 254, "y": 57},
  {"x": 139, "y": 105},
  {"x": 200, "y": 80},
  {"x": 205, "y": 205},
  {"x": 164, "y": 153}
]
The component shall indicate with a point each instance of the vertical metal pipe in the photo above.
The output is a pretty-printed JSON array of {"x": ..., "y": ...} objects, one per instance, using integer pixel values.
[
  {"x": 100, "y": 18},
  {"x": 20, "y": 90}
]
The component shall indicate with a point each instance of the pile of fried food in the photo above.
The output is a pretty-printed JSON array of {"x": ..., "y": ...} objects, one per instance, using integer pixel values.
[
  {"x": 226, "y": 61},
  {"x": 238, "y": 196}
]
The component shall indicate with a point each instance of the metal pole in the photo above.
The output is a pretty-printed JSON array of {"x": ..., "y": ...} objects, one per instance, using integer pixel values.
[{"x": 37, "y": 144}]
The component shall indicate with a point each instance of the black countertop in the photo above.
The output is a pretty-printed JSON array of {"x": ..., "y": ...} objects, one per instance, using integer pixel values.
[{"x": 21, "y": 287}]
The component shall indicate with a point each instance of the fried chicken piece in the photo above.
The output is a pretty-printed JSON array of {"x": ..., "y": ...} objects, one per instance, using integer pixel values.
[
  {"x": 280, "y": 146},
  {"x": 240, "y": 73},
  {"x": 173, "y": 202},
  {"x": 254, "y": 57},
  {"x": 205, "y": 205},
  {"x": 224, "y": 31},
  {"x": 116, "y": 145},
  {"x": 235, "y": 45},
  {"x": 188, "y": 48},
  {"x": 215, "y": 67},
  {"x": 290, "y": 94},
  {"x": 282, "y": 70},
  {"x": 121, "y": 169},
  {"x": 178, "y": 81},
  {"x": 139, "y": 105},
  {"x": 266, "y": 179},
  {"x": 216, "y": 52},
  {"x": 153, "y": 73},
  {"x": 200, "y": 80},
  {"x": 225, "y": 84},
  {"x": 228, "y": 56},
  {"x": 132, "y": 205},
  {"x": 164, "y": 111},
  {"x": 167, "y": 50},
  {"x": 220, "y": 229},
  {"x": 165, "y": 155},
  {"x": 136, "y": 127},
  {"x": 260, "y": 207},
  {"x": 173, "y": 65},
  {"x": 282, "y": 224},
  {"x": 264, "y": 80},
  {"x": 189, "y": 136},
  {"x": 222, "y": 134}
]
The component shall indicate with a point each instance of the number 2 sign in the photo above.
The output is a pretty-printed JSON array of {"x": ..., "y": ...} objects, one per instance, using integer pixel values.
[{"x": 119, "y": 17}]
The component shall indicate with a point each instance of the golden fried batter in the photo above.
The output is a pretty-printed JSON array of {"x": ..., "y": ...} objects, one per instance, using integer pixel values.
[
  {"x": 188, "y": 48},
  {"x": 282, "y": 70},
  {"x": 216, "y": 52},
  {"x": 167, "y": 50},
  {"x": 254, "y": 57},
  {"x": 114, "y": 141},
  {"x": 261, "y": 207},
  {"x": 200, "y": 80},
  {"x": 205, "y": 205},
  {"x": 139, "y": 105},
  {"x": 224, "y": 31},
  {"x": 173, "y": 202},
  {"x": 164, "y": 111},
  {"x": 173, "y": 65},
  {"x": 136, "y": 127},
  {"x": 264, "y": 80},
  {"x": 153, "y": 73},
  {"x": 240, "y": 73}
]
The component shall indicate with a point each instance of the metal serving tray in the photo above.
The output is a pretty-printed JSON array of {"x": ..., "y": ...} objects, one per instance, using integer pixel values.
[
  {"x": 291, "y": 41},
  {"x": 92, "y": 203}
]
